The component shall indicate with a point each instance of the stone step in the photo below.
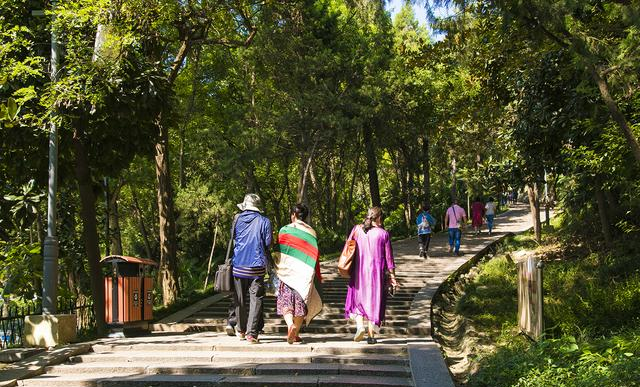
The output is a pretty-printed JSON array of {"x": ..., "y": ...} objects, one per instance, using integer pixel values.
[
  {"x": 317, "y": 323},
  {"x": 320, "y": 321},
  {"x": 345, "y": 347},
  {"x": 104, "y": 368},
  {"x": 337, "y": 308},
  {"x": 73, "y": 380},
  {"x": 282, "y": 329},
  {"x": 258, "y": 380},
  {"x": 259, "y": 357},
  {"x": 197, "y": 357}
]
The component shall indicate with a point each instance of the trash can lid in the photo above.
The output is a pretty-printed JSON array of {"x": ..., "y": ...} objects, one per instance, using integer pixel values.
[{"x": 123, "y": 258}]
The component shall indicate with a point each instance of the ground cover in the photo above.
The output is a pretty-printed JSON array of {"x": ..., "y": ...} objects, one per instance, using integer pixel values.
[{"x": 592, "y": 310}]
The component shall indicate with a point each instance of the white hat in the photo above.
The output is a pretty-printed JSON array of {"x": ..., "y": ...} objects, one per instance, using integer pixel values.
[{"x": 251, "y": 202}]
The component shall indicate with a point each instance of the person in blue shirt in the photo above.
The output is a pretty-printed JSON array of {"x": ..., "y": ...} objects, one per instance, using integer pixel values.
[
  {"x": 425, "y": 222},
  {"x": 252, "y": 239}
]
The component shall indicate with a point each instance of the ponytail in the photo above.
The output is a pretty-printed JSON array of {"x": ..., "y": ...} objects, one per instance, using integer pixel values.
[{"x": 373, "y": 213}]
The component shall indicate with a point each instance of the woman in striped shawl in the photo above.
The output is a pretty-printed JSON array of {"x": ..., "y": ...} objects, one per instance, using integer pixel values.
[{"x": 298, "y": 269}]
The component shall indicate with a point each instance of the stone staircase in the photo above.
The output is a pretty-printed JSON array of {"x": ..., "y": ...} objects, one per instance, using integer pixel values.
[{"x": 203, "y": 355}]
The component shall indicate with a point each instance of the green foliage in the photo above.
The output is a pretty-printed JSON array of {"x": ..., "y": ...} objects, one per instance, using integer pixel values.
[
  {"x": 20, "y": 270},
  {"x": 591, "y": 309},
  {"x": 563, "y": 362},
  {"x": 25, "y": 204}
]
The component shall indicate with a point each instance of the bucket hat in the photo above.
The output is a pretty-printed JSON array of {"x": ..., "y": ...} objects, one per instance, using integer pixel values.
[{"x": 251, "y": 202}]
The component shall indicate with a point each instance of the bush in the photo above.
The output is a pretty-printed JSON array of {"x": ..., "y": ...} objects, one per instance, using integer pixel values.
[{"x": 592, "y": 311}]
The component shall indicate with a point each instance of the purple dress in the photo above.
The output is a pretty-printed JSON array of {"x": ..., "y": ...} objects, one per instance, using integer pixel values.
[{"x": 366, "y": 293}]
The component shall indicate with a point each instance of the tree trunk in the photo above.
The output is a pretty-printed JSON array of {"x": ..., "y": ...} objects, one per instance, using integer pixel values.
[
  {"x": 305, "y": 166},
  {"x": 534, "y": 204},
  {"x": 615, "y": 113},
  {"x": 168, "y": 270},
  {"x": 454, "y": 180},
  {"x": 143, "y": 229},
  {"x": 213, "y": 247},
  {"x": 613, "y": 205},
  {"x": 410, "y": 199},
  {"x": 426, "y": 183},
  {"x": 372, "y": 166},
  {"x": 349, "y": 204},
  {"x": 602, "y": 211},
  {"x": 114, "y": 221},
  {"x": 89, "y": 228}
]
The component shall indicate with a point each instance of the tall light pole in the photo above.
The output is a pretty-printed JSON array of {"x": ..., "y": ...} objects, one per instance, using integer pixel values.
[{"x": 51, "y": 247}]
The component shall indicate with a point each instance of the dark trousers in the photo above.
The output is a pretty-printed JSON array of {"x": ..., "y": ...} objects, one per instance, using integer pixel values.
[
  {"x": 249, "y": 296},
  {"x": 233, "y": 306},
  {"x": 424, "y": 242}
]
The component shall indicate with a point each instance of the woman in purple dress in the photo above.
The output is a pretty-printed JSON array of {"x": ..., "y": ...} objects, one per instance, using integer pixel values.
[{"x": 367, "y": 290}]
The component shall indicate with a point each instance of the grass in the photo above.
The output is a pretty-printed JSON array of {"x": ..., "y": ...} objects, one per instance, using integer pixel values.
[{"x": 592, "y": 311}]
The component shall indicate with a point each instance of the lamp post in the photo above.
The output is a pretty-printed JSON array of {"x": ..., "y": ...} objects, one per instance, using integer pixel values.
[{"x": 51, "y": 247}]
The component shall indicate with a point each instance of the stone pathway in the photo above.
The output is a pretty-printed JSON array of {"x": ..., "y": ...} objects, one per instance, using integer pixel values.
[{"x": 189, "y": 348}]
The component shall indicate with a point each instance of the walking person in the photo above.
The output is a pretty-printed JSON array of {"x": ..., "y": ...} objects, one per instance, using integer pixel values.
[
  {"x": 455, "y": 218},
  {"x": 367, "y": 289},
  {"x": 425, "y": 222},
  {"x": 490, "y": 213},
  {"x": 477, "y": 214},
  {"x": 252, "y": 239},
  {"x": 298, "y": 270}
]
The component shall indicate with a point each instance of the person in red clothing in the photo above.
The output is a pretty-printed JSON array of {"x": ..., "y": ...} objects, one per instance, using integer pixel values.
[{"x": 477, "y": 214}]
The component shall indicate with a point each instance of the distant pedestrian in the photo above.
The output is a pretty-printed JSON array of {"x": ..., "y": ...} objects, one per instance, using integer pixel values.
[
  {"x": 368, "y": 286},
  {"x": 490, "y": 213},
  {"x": 455, "y": 218},
  {"x": 477, "y": 213},
  {"x": 425, "y": 222},
  {"x": 252, "y": 239},
  {"x": 298, "y": 270}
]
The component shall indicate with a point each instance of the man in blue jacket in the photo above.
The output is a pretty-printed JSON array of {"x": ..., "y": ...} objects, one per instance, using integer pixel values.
[{"x": 252, "y": 239}]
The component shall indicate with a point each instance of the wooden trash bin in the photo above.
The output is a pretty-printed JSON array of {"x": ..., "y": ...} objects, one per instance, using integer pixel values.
[{"x": 128, "y": 292}]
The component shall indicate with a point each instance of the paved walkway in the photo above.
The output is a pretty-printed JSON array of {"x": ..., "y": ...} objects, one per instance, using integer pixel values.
[{"x": 189, "y": 349}]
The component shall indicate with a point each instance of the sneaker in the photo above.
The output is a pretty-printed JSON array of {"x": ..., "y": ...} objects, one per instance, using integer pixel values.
[
  {"x": 359, "y": 335},
  {"x": 240, "y": 334},
  {"x": 450, "y": 248},
  {"x": 252, "y": 340},
  {"x": 298, "y": 339},
  {"x": 230, "y": 331},
  {"x": 371, "y": 340}
]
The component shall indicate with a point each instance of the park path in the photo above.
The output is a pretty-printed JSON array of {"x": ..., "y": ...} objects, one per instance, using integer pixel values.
[{"x": 189, "y": 349}]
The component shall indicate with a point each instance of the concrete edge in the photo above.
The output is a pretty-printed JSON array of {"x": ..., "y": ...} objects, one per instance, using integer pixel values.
[
  {"x": 428, "y": 367},
  {"x": 35, "y": 365},
  {"x": 191, "y": 309}
]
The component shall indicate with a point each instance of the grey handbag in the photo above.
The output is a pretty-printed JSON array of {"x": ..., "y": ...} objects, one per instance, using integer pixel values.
[{"x": 223, "y": 281}]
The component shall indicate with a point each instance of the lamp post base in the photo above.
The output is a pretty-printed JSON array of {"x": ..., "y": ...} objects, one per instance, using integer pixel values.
[{"x": 49, "y": 330}]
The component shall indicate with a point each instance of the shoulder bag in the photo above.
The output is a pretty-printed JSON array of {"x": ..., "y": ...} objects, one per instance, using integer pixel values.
[
  {"x": 224, "y": 275},
  {"x": 348, "y": 253}
]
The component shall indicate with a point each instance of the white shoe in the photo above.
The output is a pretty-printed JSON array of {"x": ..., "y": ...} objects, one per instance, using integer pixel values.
[
  {"x": 229, "y": 330},
  {"x": 359, "y": 335}
]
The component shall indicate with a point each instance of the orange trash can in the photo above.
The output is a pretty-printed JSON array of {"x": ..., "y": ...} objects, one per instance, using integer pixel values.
[{"x": 128, "y": 290}]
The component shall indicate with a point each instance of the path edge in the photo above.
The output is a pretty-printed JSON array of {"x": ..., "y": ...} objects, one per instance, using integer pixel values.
[{"x": 424, "y": 372}]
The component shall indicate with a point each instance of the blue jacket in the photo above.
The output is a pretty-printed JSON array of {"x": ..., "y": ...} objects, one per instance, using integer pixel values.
[
  {"x": 431, "y": 221},
  {"x": 252, "y": 240}
]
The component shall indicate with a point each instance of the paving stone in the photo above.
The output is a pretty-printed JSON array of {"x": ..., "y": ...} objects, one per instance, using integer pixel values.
[
  {"x": 360, "y": 381},
  {"x": 163, "y": 381},
  {"x": 271, "y": 381}
]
